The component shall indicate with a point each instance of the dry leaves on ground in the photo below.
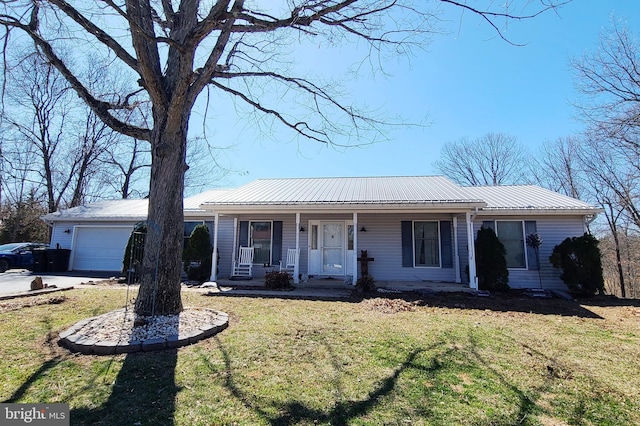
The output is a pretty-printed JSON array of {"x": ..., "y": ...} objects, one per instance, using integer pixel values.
[{"x": 389, "y": 306}]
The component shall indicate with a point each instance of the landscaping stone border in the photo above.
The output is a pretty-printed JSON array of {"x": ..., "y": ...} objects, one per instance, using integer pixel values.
[{"x": 75, "y": 341}]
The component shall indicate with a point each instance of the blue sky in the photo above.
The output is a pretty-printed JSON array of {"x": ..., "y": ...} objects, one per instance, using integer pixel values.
[{"x": 466, "y": 84}]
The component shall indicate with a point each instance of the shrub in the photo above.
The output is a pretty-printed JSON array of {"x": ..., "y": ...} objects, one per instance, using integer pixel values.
[
  {"x": 491, "y": 261},
  {"x": 365, "y": 283},
  {"x": 579, "y": 259},
  {"x": 277, "y": 280},
  {"x": 197, "y": 255}
]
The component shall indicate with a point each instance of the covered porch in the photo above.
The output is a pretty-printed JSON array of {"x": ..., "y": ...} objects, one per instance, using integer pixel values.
[{"x": 329, "y": 244}]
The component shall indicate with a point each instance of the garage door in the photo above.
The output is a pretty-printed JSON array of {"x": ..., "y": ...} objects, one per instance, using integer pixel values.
[{"x": 99, "y": 248}]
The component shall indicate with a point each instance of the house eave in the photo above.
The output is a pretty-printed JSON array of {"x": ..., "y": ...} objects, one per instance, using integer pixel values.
[
  {"x": 550, "y": 211},
  {"x": 398, "y": 207},
  {"x": 54, "y": 219}
]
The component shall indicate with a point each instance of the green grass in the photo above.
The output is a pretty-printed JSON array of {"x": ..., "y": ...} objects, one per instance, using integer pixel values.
[{"x": 339, "y": 363}]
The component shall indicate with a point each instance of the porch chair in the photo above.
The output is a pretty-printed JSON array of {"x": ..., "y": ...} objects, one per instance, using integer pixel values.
[
  {"x": 292, "y": 260},
  {"x": 244, "y": 264}
]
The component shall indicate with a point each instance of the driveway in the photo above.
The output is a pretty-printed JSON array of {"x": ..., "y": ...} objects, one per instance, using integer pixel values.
[{"x": 19, "y": 280}]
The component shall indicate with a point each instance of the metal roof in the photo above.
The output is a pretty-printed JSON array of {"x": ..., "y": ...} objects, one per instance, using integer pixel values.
[
  {"x": 347, "y": 190},
  {"x": 526, "y": 197},
  {"x": 126, "y": 210},
  {"x": 194, "y": 203},
  {"x": 435, "y": 192},
  {"x": 117, "y": 210}
]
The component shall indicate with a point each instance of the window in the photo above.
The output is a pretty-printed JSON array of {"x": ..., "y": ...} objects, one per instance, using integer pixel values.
[
  {"x": 511, "y": 234},
  {"x": 260, "y": 240},
  {"x": 314, "y": 237},
  {"x": 426, "y": 243}
]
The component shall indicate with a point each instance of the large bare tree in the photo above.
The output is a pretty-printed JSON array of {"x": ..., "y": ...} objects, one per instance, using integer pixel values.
[
  {"x": 175, "y": 49},
  {"x": 493, "y": 159},
  {"x": 559, "y": 168},
  {"x": 35, "y": 136}
]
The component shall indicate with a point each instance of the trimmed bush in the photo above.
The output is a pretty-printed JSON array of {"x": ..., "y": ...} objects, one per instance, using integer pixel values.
[
  {"x": 491, "y": 261},
  {"x": 197, "y": 255},
  {"x": 365, "y": 283},
  {"x": 277, "y": 280},
  {"x": 581, "y": 264}
]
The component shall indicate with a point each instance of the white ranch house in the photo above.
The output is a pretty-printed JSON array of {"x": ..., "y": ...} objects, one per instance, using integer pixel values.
[{"x": 417, "y": 229}]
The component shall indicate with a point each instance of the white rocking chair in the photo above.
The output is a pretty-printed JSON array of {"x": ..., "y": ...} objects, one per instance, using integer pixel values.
[
  {"x": 292, "y": 261},
  {"x": 243, "y": 266}
]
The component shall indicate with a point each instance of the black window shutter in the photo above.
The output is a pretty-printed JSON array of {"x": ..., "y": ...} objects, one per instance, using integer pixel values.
[
  {"x": 407, "y": 244},
  {"x": 530, "y": 227},
  {"x": 446, "y": 244},
  {"x": 244, "y": 234},
  {"x": 276, "y": 244}
]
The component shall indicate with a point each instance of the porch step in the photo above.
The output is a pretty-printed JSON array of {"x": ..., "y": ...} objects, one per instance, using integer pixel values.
[{"x": 323, "y": 283}]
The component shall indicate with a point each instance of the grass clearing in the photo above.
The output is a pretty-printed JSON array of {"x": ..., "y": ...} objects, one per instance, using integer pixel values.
[{"x": 445, "y": 360}]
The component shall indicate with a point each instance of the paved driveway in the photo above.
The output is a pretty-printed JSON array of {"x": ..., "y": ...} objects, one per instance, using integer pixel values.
[{"x": 19, "y": 280}]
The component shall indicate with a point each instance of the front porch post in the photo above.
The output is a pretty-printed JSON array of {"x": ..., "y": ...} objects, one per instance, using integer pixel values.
[
  {"x": 456, "y": 253},
  {"x": 355, "y": 248},
  {"x": 235, "y": 243},
  {"x": 214, "y": 254},
  {"x": 473, "y": 279},
  {"x": 296, "y": 268}
]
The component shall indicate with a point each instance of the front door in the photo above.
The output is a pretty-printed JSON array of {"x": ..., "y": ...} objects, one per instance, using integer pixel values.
[
  {"x": 332, "y": 248},
  {"x": 327, "y": 248}
]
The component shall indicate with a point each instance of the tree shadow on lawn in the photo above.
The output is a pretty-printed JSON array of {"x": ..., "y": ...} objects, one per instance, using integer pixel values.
[
  {"x": 144, "y": 393},
  {"x": 610, "y": 302},
  {"x": 443, "y": 359}
]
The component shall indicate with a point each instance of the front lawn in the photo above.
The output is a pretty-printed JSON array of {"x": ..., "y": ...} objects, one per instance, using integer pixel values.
[{"x": 454, "y": 360}]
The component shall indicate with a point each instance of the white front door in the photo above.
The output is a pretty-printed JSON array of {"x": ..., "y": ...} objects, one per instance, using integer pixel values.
[
  {"x": 332, "y": 248},
  {"x": 328, "y": 248}
]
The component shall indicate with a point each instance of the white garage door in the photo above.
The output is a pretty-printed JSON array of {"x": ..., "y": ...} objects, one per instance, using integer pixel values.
[{"x": 100, "y": 248}]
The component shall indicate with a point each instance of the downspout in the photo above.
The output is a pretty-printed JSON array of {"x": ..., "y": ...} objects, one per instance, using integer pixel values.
[{"x": 588, "y": 220}]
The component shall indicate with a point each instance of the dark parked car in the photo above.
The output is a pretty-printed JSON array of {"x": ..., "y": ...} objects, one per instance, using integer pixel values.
[{"x": 18, "y": 255}]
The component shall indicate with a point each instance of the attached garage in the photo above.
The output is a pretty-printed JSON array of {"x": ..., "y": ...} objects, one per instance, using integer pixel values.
[
  {"x": 97, "y": 234},
  {"x": 99, "y": 248}
]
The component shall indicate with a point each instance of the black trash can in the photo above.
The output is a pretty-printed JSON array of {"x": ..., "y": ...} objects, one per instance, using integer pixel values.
[
  {"x": 58, "y": 260},
  {"x": 39, "y": 260}
]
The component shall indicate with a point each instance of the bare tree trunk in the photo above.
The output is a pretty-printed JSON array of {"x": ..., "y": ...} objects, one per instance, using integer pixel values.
[
  {"x": 160, "y": 287},
  {"x": 616, "y": 240}
]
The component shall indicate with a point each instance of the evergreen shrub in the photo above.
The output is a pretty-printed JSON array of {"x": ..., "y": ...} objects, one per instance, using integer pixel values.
[
  {"x": 581, "y": 264},
  {"x": 197, "y": 255},
  {"x": 491, "y": 261}
]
